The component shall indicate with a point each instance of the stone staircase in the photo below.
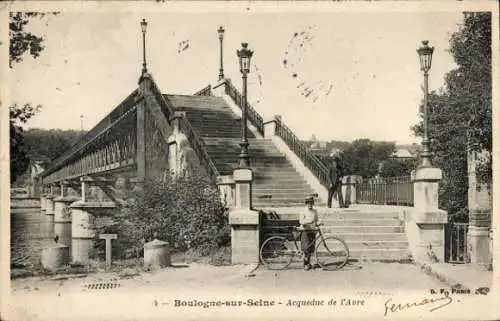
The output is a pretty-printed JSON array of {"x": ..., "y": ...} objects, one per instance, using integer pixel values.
[
  {"x": 371, "y": 234},
  {"x": 276, "y": 182}
]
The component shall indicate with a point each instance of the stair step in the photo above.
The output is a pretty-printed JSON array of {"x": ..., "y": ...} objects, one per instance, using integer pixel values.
[
  {"x": 392, "y": 255},
  {"x": 373, "y": 236},
  {"x": 338, "y": 214},
  {"x": 358, "y": 245},
  {"x": 360, "y": 222},
  {"x": 258, "y": 189}
]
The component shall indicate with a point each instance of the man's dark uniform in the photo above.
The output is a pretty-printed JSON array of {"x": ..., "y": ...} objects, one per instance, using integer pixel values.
[{"x": 335, "y": 174}]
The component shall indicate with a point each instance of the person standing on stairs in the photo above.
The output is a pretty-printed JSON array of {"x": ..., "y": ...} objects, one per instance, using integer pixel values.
[
  {"x": 335, "y": 173},
  {"x": 309, "y": 221}
]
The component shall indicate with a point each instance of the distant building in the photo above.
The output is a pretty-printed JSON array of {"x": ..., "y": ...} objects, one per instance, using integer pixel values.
[{"x": 402, "y": 153}]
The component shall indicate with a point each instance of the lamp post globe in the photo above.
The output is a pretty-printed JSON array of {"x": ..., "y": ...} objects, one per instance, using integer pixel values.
[
  {"x": 244, "y": 57},
  {"x": 425, "y": 56}
]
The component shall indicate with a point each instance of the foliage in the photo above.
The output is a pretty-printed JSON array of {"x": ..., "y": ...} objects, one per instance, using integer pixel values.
[
  {"x": 187, "y": 212},
  {"x": 460, "y": 117},
  {"x": 21, "y": 40},
  {"x": 19, "y": 161},
  {"x": 394, "y": 167},
  {"x": 363, "y": 157},
  {"x": 47, "y": 145}
]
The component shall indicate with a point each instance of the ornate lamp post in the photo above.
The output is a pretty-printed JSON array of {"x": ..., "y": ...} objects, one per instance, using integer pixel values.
[
  {"x": 244, "y": 55},
  {"x": 425, "y": 55},
  {"x": 220, "y": 31},
  {"x": 144, "y": 26}
]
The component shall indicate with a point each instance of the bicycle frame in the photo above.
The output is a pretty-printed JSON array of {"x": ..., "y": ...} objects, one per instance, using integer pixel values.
[{"x": 319, "y": 237}]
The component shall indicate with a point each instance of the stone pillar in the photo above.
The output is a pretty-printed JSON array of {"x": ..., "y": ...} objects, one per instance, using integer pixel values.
[
  {"x": 62, "y": 213},
  {"x": 92, "y": 206},
  {"x": 480, "y": 205},
  {"x": 349, "y": 184},
  {"x": 270, "y": 127},
  {"x": 425, "y": 224},
  {"x": 245, "y": 223}
]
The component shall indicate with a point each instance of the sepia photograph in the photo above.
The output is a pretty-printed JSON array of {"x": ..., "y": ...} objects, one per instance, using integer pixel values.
[{"x": 273, "y": 161}]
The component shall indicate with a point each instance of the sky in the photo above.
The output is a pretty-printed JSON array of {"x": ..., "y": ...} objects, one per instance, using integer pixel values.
[{"x": 337, "y": 75}]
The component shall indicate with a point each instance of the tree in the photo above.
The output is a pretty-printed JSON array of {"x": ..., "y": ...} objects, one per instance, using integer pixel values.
[
  {"x": 394, "y": 167},
  {"x": 19, "y": 161},
  {"x": 460, "y": 116},
  {"x": 21, "y": 41},
  {"x": 363, "y": 156}
]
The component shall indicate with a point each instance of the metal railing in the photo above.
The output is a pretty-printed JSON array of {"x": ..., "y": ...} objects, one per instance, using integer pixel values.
[
  {"x": 166, "y": 106},
  {"x": 207, "y": 91},
  {"x": 111, "y": 120},
  {"x": 300, "y": 149},
  {"x": 253, "y": 116},
  {"x": 456, "y": 243},
  {"x": 386, "y": 191}
]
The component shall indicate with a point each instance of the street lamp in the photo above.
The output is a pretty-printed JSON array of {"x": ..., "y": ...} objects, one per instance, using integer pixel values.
[
  {"x": 220, "y": 31},
  {"x": 144, "y": 26},
  {"x": 244, "y": 55},
  {"x": 425, "y": 55}
]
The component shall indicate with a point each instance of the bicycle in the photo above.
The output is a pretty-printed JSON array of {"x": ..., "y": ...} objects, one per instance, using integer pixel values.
[{"x": 277, "y": 252}]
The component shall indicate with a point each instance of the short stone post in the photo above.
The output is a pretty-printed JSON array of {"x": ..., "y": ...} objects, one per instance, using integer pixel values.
[
  {"x": 108, "y": 238},
  {"x": 425, "y": 224},
  {"x": 156, "y": 254},
  {"x": 245, "y": 223},
  {"x": 480, "y": 205},
  {"x": 55, "y": 256}
]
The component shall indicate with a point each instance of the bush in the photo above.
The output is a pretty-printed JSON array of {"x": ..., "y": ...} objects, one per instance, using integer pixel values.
[{"x": 187, "y": 212}]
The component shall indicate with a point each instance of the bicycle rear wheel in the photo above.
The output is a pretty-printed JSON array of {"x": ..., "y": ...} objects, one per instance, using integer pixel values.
[
  {"x": 275, "y": 254},
  {"x": 332, "y": 253}
]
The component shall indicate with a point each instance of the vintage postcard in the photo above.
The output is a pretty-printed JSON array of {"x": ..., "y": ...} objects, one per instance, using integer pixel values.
[{"x": 249, "y": 160}]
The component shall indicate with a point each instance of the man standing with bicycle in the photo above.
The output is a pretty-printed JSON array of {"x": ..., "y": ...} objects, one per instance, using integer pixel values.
[{"x": 308, "y": 222}]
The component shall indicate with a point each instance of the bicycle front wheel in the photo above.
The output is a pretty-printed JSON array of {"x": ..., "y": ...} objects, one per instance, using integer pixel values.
[
  {"x": 332, "y": 253},
  {"x": 275, "y": 254}
]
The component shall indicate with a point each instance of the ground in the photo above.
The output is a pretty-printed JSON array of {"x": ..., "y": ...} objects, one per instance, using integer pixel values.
[{"x": 147, "y": 293}]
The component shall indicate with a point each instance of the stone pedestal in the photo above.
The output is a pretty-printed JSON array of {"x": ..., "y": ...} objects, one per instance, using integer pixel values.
[
  {"x": 425, "y": 224},
  {"x": 83, "y": 228},
  {"x": 245, "y": 223},
  {"x": 62, "y": 219}
]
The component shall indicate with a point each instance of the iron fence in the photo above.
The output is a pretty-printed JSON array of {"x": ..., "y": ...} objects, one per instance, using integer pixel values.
[
  {"x": 456, "y": 250},
  {"x": 386, "y": 191}
]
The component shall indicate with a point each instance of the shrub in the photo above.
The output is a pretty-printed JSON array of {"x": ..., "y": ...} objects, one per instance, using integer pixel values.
[{"x": 186, "y": 211}]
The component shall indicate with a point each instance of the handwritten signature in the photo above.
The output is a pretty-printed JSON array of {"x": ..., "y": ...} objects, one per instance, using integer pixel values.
[{"x": 393, "y": 307}]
